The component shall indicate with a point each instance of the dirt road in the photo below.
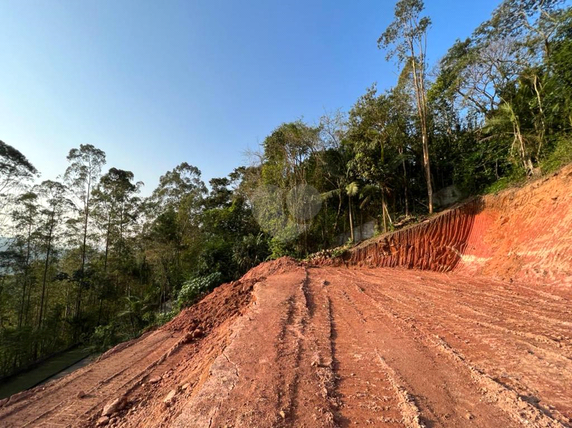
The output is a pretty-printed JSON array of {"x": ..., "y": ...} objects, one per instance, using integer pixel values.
[{"x": 335, "y": 347}]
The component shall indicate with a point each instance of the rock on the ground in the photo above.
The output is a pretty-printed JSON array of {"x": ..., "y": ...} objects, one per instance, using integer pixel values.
[
  {"x": 104, "y": 420},
  {"x": 114, "y": 406},
  {"x": 170, "y": 398}
]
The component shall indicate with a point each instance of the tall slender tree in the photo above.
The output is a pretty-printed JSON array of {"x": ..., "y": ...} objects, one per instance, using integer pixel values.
[
  {"x": 82, "y": 174},
  {"x": 53, "y": 194},
  {"x": 408, "y": 36}
]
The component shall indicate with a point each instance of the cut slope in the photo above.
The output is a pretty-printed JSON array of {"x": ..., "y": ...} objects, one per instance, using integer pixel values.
[{"x": 520, "y": 233}]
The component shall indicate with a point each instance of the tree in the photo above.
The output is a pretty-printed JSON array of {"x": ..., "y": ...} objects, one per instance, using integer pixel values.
[
  {"x": 173, "y": 238},
  {"x": 180, "y": 184},
  {"x": 15, "y": 170},
  {"x": 53, "y": 194},
  {"x": 408, "y": 34},
  {"x": 116, "y": 203},
  {"x": 24, "y": 219},
  {"x": 286, "y": 151},
  {"x": 81, "y": 176},
  {"x": 375, "y": 157},
  {"x": 401, "y": 124}
]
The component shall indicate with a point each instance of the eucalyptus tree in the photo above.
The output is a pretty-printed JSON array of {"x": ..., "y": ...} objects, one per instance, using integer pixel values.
[
  {"x": 15, "y": 171},
  {"x": 401, "y": 126},
  {"x": 173, "y": 238},
  {"x": 55, "y": 203},
  {"x": 81, "y": 176},
  {"x": 286, "y": 151},
  {"x": 25, "y": 223},
  {"x": 407, "y": 37},
  {"x": 116, "y": 204}
]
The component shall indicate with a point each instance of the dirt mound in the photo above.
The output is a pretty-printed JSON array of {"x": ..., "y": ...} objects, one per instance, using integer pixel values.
[{"x": 274, "y": 267}]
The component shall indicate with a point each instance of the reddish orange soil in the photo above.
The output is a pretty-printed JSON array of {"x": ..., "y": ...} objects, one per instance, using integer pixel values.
[{"x": 482, "y": 337}]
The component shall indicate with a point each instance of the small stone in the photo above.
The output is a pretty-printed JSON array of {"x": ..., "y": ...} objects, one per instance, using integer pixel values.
[
  {"x": 197, "y": 333},
  {"x": 185, "y": 387},
  {"x": 114, "y": 406},
  {"x": 468, "y": 416},
  {"x": 155, "y": 379},
  {"x": 170, "y": 398},
  {"x": 282, "y": 414},
  {"x": 80, "y": 394},
  {"x": 104, "y": 420}
]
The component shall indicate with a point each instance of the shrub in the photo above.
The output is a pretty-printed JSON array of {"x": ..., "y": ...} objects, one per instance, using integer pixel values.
[
  {"x": 196, "y": 287},
  {"x": 560, "y": 156},
  {"x": 105, "y": 336}
]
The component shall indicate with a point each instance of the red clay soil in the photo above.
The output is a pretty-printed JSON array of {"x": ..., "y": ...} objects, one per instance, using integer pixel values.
[{"x": 481, "y": 337}]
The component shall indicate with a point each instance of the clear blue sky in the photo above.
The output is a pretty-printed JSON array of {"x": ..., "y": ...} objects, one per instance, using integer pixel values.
[{"x": 156, "y": 83}]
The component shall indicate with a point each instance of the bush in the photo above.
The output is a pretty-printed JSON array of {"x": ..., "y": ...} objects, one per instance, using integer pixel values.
[
  {"x": 560, "y": 156},
  {"x": 279, "y": 248},
  {"x": 196, "y": 287},
  {"x": 105, "y": 336},
  {"x": 165, "y": 317}
]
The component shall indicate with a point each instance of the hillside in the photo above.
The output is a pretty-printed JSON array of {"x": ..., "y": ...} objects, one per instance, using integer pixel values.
[{"x": 476, "y": 333}]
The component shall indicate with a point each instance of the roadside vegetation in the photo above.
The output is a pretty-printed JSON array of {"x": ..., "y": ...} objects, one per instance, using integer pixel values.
[{"x": 88, "y": 260}]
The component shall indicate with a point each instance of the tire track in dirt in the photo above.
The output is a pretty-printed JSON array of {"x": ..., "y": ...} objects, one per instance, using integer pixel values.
[
  {"x": 546, "y": 369},
  {"x": 513, "y": 403},
  {"x": 369, "y": 391},
  {"x": 547, "y": 347},
  {"x": 282, "y": 361},
  {"x": 506, "y": 297}
]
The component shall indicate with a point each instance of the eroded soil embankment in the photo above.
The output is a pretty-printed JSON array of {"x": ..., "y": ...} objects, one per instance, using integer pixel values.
[{"x": 518, "y": 234}]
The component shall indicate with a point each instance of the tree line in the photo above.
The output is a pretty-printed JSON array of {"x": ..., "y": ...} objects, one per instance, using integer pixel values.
[{"x": 87, "y": 259}]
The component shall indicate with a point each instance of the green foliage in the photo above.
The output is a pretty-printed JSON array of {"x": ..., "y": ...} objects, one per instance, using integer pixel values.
[
  {"x": 106, "y": 336},
  {"x": 164, "y": 317},
  {"x": 560, "y": 156},
  {"x": 194, "y": 288},
  {"x": 280, "y": 248}
]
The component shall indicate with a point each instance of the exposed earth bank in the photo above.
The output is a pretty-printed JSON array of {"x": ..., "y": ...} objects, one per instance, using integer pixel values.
[{"x": 479, "y": 334}]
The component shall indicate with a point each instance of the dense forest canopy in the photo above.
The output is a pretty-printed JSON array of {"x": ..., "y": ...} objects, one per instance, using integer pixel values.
[{"x": 87, "y": 259}]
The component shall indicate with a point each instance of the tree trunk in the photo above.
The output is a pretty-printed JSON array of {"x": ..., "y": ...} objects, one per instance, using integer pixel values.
[
  {"x": 418, "y": 83},
  {"x": 107, "y": 242},
  {"x": 351, "y": 219},
  {"x": 405, "y": 186},
  {"x": 25, "y": 282},
  {"x": 383, "y": 210},
  {"x": 46, "y": 266},
  {"x": 542, "y": 117},
  {"x": 83, "y": 255}
]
